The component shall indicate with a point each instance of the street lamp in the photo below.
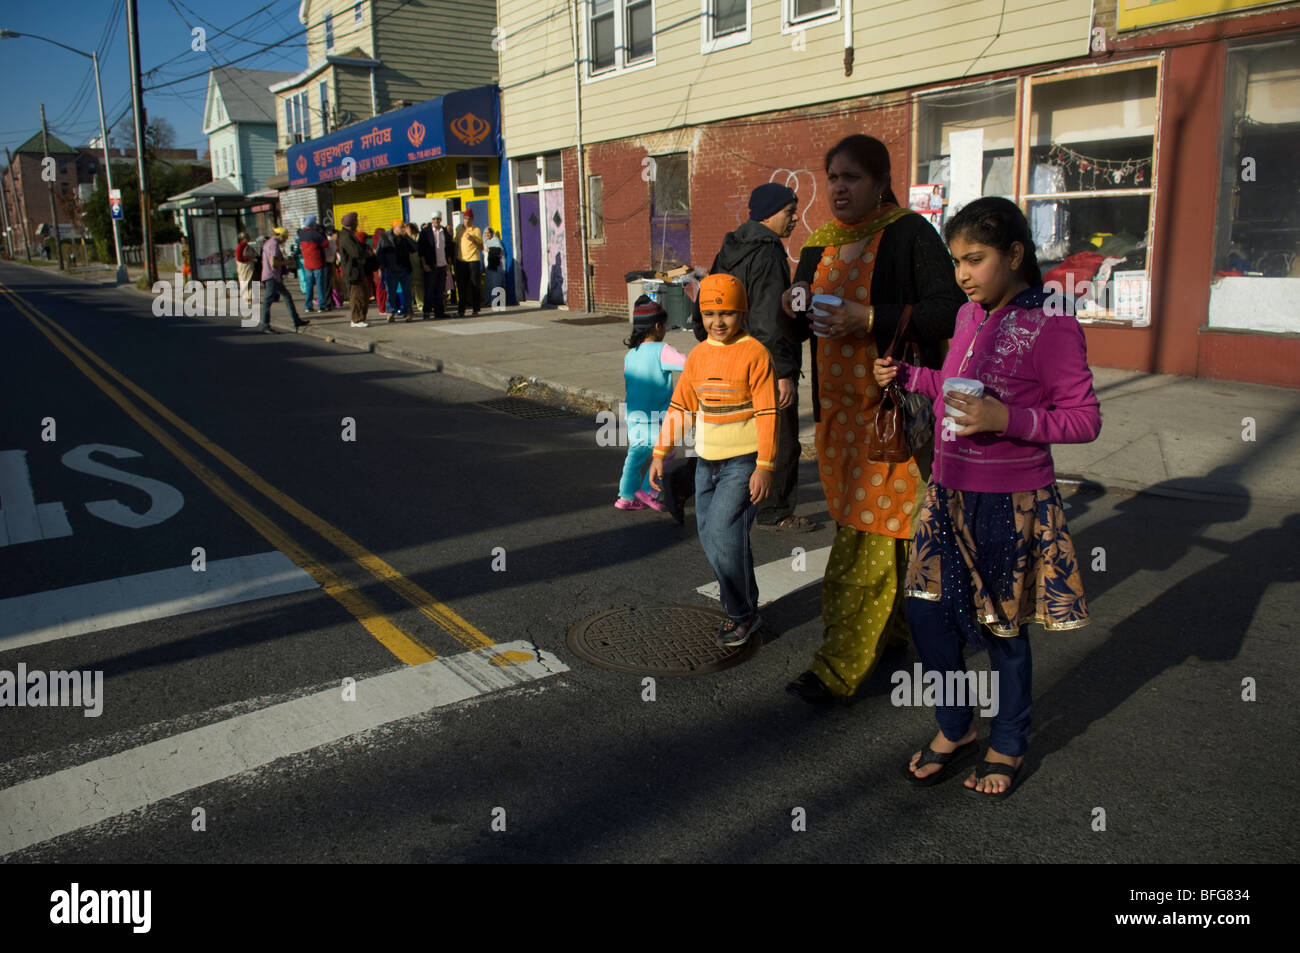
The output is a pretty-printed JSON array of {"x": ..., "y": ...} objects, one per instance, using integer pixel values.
[{"x": 93, "y": 56}]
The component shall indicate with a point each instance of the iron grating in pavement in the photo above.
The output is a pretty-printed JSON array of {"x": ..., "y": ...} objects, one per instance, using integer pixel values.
[
  {"x": 527, "y": 409},
  {"x": 656, "y": 640}
]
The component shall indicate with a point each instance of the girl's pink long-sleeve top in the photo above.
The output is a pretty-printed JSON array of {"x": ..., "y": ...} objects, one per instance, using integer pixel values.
[{"x": 1035, "y": 362}]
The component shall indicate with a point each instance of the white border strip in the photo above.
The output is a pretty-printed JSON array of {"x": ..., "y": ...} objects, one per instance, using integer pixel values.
[
  {"x": 76, "y": 610},
  {"x": 68, "y": 800}
]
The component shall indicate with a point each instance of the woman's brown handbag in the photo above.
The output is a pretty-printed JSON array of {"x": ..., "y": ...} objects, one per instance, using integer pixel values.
[{"x": 887, "y": 438}]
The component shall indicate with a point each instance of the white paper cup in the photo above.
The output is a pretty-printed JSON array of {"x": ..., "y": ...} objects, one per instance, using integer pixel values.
[
  {"x": 963, "y": 385},
  {"x": 826, "y": 300},
  {"x": 830, "y": 301}
]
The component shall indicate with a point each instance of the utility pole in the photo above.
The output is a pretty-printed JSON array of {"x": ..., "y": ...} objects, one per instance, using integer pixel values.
[
  {"x": 54, "y": 211},
  {"x": 137, "y": 106},
  {"x": 108, "y": 171},
  {"x": 20, "y": 205},
  {"x": 4, "y": 209}
]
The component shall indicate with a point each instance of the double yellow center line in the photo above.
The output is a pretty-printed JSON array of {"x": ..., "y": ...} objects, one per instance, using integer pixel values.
[{"x": 405, "y": 646}]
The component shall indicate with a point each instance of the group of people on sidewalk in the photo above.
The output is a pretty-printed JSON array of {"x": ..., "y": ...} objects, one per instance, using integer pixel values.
[
  {"x": 403, "y": 269},
  {"x": 957, "y": 547}
]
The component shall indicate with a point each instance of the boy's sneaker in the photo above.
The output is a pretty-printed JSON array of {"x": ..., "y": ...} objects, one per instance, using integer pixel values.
[
  {"x": 732, "y": 634},
  {"x": 648, "y": 500},
  {"x": 622, "y": 504},
  {"x": 359, "y": 324}
]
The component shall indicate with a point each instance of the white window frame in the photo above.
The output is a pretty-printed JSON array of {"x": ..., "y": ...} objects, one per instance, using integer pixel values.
[
  {"x": 329, "y": 32},
  {"x": 356, "y": 13},
  {"x": 298, "y": 115},
  {"x": 711, "y": 44},
  {"x": 621, "y": 63},
  {"x": 790, "y": 25},
  {"x": 322, "y": 93}
]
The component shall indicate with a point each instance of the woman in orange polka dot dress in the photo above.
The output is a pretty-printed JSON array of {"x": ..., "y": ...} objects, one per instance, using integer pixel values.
[{"x": 877, "y": 258}]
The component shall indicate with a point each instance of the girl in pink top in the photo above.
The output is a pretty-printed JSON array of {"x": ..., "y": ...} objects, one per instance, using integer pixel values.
[{"x": 991, "y": 551}]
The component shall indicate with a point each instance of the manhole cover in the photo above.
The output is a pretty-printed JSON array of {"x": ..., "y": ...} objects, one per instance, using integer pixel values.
[
  {"x": 655, "y": 640},
  {"x": 526, "y": 408}
]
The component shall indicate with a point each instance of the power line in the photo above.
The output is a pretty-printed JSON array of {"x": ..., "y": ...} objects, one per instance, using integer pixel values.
[{"x": 284, "y": 41}]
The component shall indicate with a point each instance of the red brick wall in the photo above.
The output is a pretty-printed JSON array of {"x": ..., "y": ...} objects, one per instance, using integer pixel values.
[
  {"x": 34, "y": 194},
  {"x": 728, "y": 161},
  {"x": 627, "y": 221},
  {"x": 573, "y": 233},
  {"x": 1245, "y": 356}
]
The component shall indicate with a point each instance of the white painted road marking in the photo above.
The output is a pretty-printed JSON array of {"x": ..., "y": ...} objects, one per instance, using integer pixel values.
[
  {"x": 779, "y": 578},
  {"x": 477, "y": 326},
  {"x": 76, "y": 610},
  {"x": 22, "y": 519},
  {"x": 68, "y": 800}
]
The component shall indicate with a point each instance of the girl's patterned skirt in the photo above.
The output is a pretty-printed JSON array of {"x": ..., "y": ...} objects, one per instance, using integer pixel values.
[{"x": 996, "y": 560}]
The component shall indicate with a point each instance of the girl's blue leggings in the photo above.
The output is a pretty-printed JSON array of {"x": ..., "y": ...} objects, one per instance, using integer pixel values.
[{"x": 636, "y": 471}]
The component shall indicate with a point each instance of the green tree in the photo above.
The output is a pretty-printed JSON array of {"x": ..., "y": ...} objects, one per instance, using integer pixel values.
[{"x": 165, "y": 180}]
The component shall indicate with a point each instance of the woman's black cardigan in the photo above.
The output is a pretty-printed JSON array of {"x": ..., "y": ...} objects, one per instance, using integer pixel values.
[{"x": 912, "y": 267}]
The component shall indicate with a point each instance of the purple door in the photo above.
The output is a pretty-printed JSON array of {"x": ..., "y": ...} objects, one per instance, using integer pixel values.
[{"x": 530, "y": 244}]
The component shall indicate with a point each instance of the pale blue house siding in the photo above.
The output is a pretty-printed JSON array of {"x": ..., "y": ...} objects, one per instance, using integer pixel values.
[
  {"x": 221, "y": 140},
  {"x": 257, "y": 158},
  {"x": 253, "y": 151}
]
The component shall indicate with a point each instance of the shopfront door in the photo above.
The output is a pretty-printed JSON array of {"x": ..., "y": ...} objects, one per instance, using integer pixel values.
[{"x": 530, "y": 245}]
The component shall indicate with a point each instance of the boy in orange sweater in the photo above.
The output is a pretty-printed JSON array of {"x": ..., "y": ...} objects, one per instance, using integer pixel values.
[{"x": 729, "y": 387}]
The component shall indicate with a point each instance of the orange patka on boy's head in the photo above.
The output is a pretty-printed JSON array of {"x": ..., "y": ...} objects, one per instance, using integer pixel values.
[
  {"x": 722, "y": 293},
  {"x": 722, "y": 308}
]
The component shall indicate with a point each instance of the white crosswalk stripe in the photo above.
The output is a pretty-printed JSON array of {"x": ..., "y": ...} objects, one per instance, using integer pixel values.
[{"x": 782, "y": 577}]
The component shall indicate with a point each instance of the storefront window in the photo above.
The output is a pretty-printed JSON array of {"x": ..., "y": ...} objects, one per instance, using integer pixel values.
[
  {"x": 1257, "y": 240},
  {"x": 1087, "y": 186},
  {"x": 983, "y": 113}
]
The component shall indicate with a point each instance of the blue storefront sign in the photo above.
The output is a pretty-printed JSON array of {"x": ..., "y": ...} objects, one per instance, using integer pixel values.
[{"x": 462, "y": 123}]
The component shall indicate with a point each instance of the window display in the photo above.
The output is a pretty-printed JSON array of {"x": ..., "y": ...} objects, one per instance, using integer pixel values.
[
  {"x": 991, "y": 109},
  {"x": 1090, "y": 161}
]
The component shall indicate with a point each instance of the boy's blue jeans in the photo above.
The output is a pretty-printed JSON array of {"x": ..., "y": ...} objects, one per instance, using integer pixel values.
[{"x": 724, "y": 514}]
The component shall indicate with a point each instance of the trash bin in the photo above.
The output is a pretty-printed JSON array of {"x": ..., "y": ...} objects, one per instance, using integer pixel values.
[
  {"x": 671, "y": 296},
  {"x": 635, "y": 289}
]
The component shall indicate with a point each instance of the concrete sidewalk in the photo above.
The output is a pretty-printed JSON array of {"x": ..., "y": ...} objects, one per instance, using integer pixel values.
[
  {"x": 1160, "y": 433},
  {"x": 1171, "y": 435}
]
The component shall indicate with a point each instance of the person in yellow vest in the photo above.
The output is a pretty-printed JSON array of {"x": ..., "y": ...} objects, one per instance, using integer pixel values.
[{"x": 469, "y": 263}]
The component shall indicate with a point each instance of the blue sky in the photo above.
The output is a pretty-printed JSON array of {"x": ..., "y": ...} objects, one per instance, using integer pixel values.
[{"x": 32, "y": 72}]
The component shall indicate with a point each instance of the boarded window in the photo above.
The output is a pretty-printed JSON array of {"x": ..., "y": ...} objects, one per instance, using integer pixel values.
[
  {"x": 670, "y": 212},
  {"x": 595, "y": 209}
]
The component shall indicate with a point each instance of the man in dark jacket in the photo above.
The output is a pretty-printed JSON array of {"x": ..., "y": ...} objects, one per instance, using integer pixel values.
[
  {"x": 434, "y": 247},
  {"x": 755, "y": 254},
  {"x": 352, "y": 258},
  {"x": 395, "y": 251}
]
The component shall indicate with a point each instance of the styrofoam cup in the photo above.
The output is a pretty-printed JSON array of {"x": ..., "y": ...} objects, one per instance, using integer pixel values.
[
  {"x": 963, "y": 385},
  {"x": 828, "y": 300}
]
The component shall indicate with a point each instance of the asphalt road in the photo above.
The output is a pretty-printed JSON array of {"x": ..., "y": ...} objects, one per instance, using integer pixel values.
[{"x": 1140, "y": 715}]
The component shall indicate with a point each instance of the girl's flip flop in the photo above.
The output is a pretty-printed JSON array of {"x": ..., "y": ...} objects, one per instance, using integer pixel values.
[
  {"x": 995, "y": 767},
  {"x": 950, "y": 761}
]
